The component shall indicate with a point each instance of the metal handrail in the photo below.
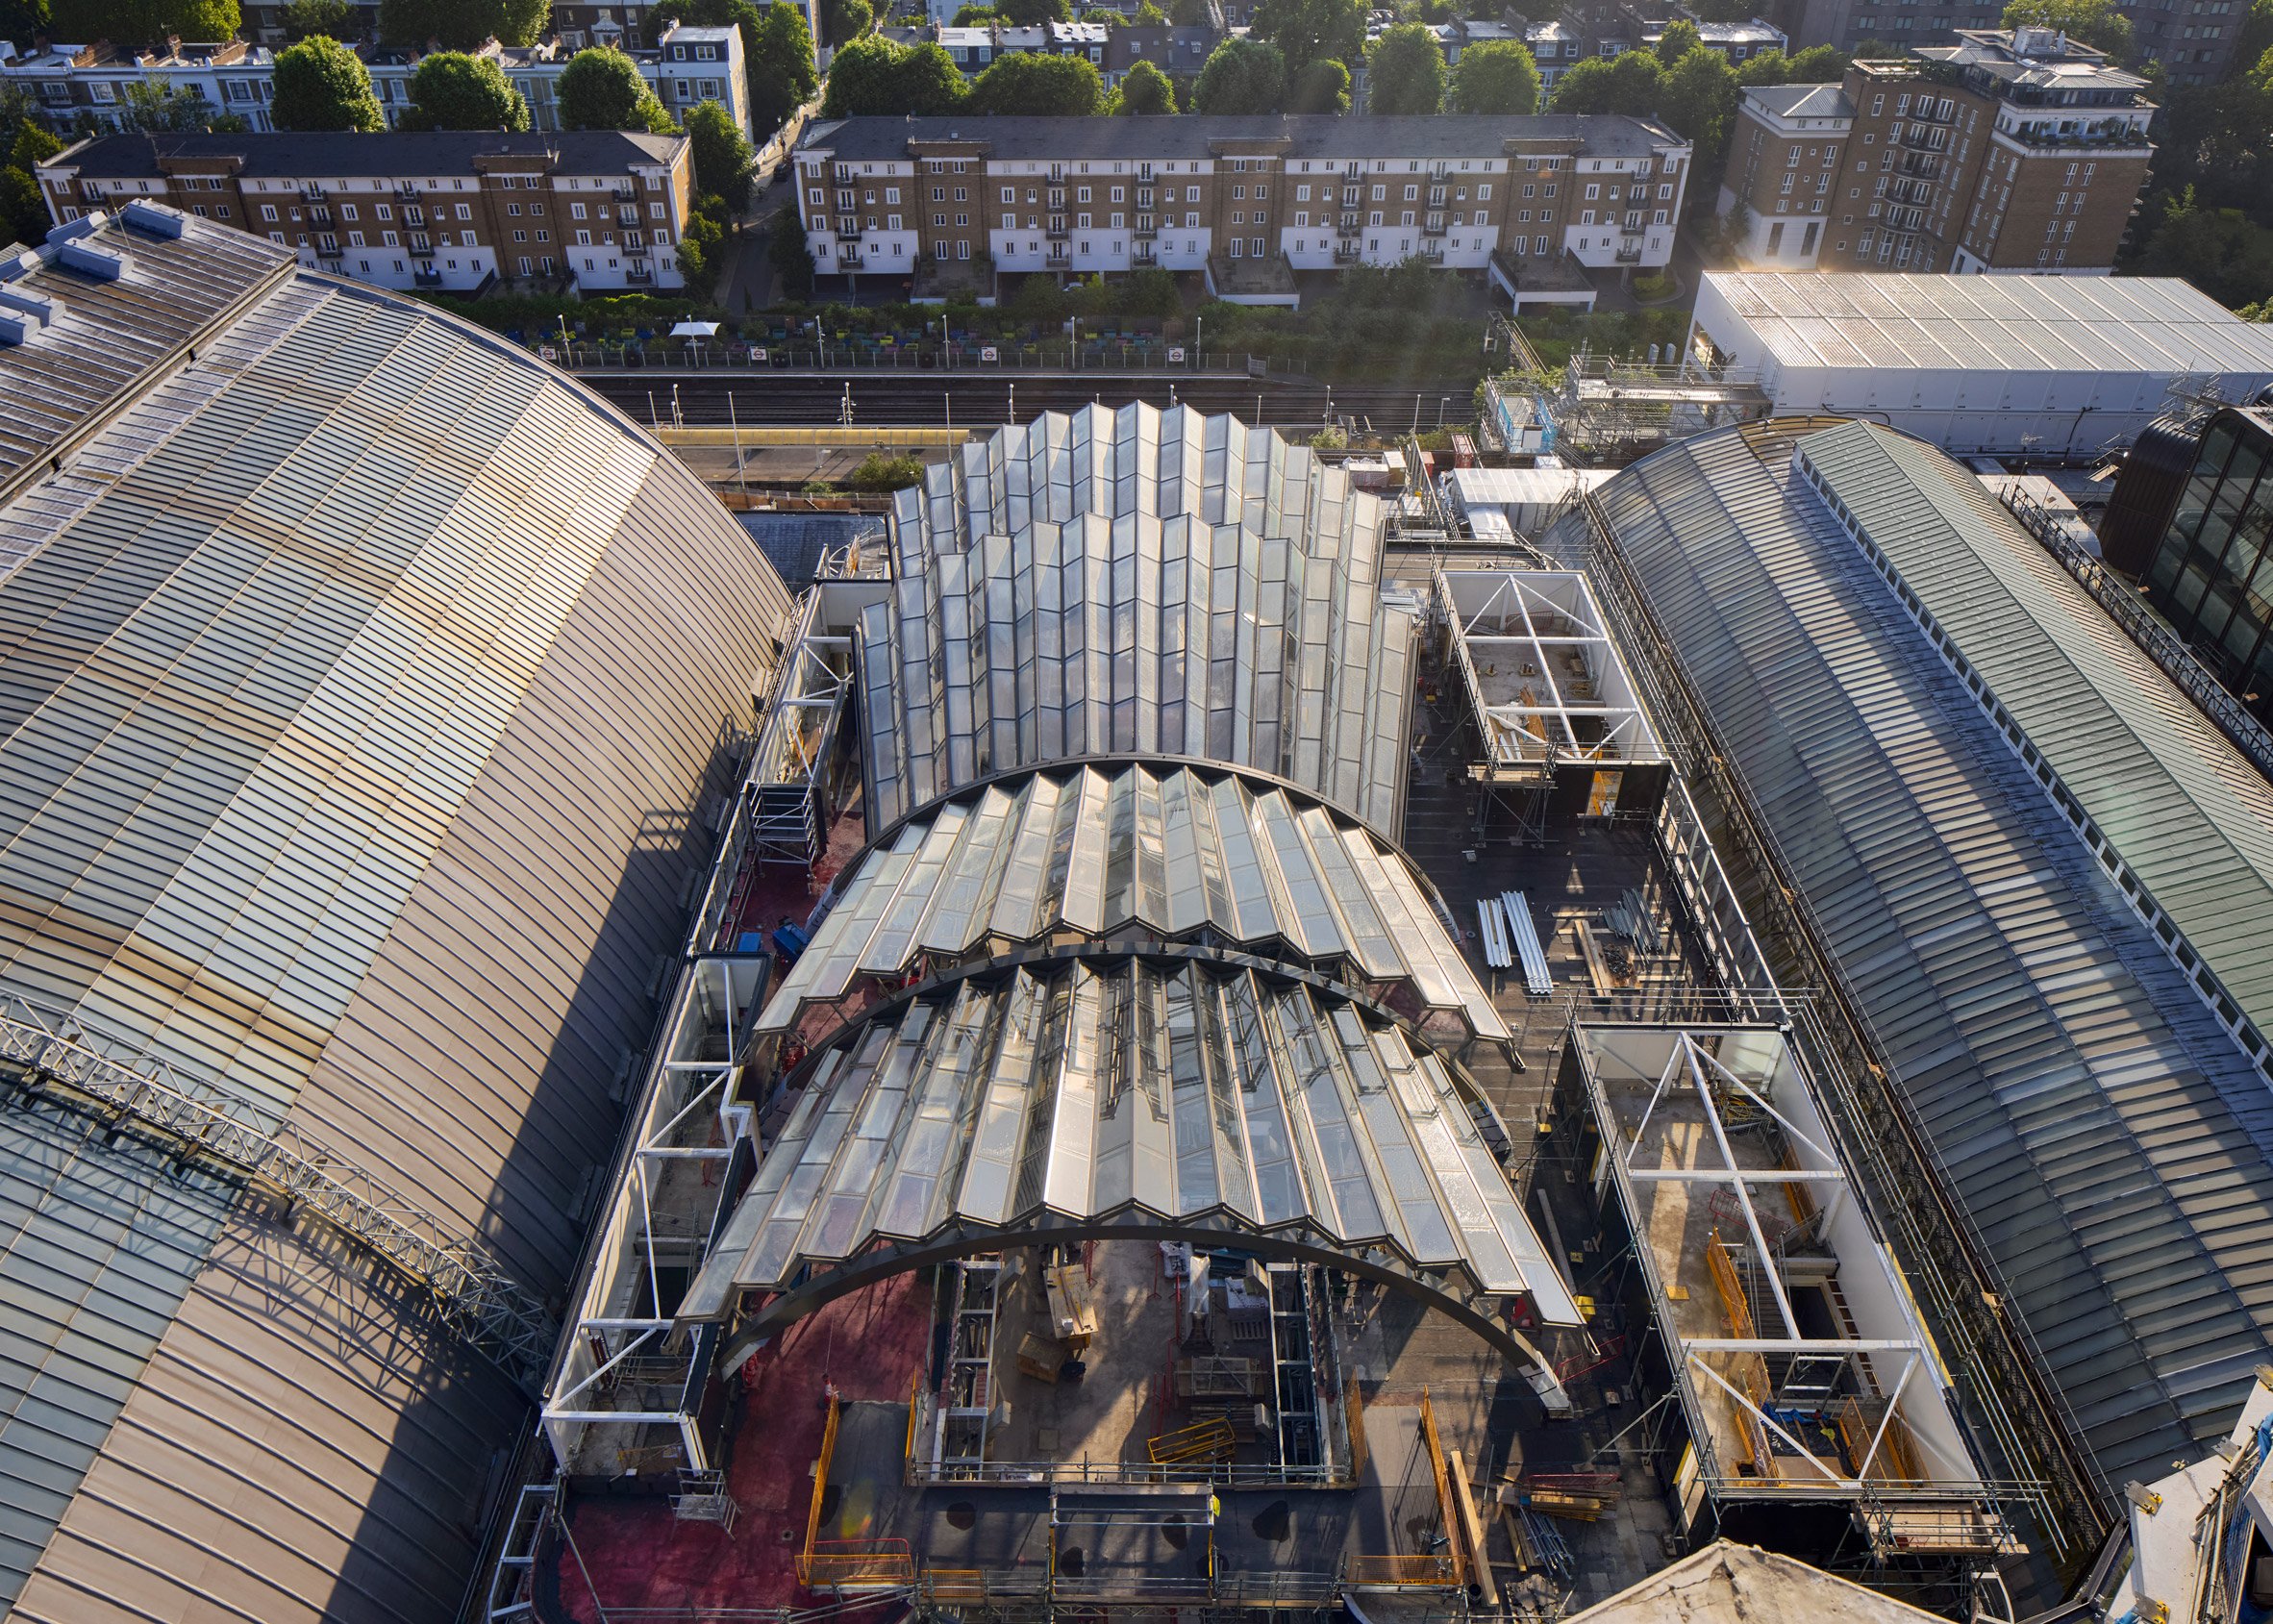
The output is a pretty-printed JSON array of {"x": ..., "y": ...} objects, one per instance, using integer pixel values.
[{"x": 489, "y": 1309}]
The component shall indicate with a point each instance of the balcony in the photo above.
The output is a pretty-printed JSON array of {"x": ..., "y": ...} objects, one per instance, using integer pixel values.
[
  {"x": 1145, "y": 256},
  {"x": 626, "y": 216},
  {"x": 426, "y": 276},
  {"x": 319, "y": 216},
  {"x": 1926, "y": 165},
  {"x": 312, "y": 194},
  {"x": 1920, "y": 138},
  {"x": 406, "y": 194},
  {"x": 640, "y": 273},
  {"x": 414, "y": 216},
  {"x": 1433, "y": 226},
  {"x": 850, "y": 260},
  {"x": 1630, "y": 250},
  {"x": 1920, "y": 192},
  {"x": 1348, "y": 251},
  {"x": 627, "y": 194},
  {"x": 2099, "y": 138},
  {"x": 1349, "y": 225},
  {"x": 1905, "y": 218},
  {"x": 1059, "y": 258},
  {"x": 1145, "y": 227},
  {"x": 1437, "y": 197},
  {"x": 1144, "y": 197},
  {"x": 1056, "y": 232},
  {"x": 1144, "y": 174}
]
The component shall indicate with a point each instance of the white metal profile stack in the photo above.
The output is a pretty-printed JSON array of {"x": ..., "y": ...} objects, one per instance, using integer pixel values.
[{"x": 1510, "y": 939}]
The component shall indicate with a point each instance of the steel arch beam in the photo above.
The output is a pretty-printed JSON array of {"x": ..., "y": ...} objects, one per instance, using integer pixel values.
[{"x": 880, "y": 1263}]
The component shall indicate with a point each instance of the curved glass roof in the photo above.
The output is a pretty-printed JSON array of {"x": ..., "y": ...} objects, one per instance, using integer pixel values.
[
  {"x": 1137, "y": 582},
  {"x": 1215, "y": 1101},
  {"x": 1178, "y": 852}
]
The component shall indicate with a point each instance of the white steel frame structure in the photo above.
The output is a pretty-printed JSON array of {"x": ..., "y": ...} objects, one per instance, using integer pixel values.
[
  {"x": 1529, "y": 640},
  {"x": 686, "y": 1127},
  {"x": 788, "y": 784},
  {"x": 1707, "y": 1091}
]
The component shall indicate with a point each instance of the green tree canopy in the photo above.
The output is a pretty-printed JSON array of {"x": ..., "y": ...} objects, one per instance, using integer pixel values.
[
  {"x": 33, "y": 145},
  {"x": 1818, "y": 64},
  {"x": 1308, "y": 31},
  {"x": 879, "y": 77},
  {"x": 1319, "y": 87},
  {"x": 1025, "y": 13},
  {"x": 1150, "y": 16},
  {"x": 1242, "y": 76},
  {"x": 601, "y": 89},
  {"x": 778, "y": 58},
  {"x": 1099, "y": 14},
  {"x": 1626, "y": 83},
  {"x": 975, "y": 16},
  {"x": 141, "y": 22},
  {"x": 23, "y": 211},
  {"x": 722, "y": 153},
  {"x": 1188, "y": 13},
  {"x": 842, "y": 22},
  {"x": 791, "y": 258},
  {"x": 303, "y": 17},
  {"x": 1031, "y": 81},
  {"x": 320, "y": 85},
  {"x": 1724, "y": 11},
  {"x": 1698, "y": 99},
  {"x": 1497, "y": 76},
  {"x": 2090, "y": 22},
  {"x": 2221, "y": 251},
  {"x": 451, "y": 91},
  {"x": 1146, "y": 89},
  {"x": 698, "y": 248},
  {"x": 462, "y": 25},
  {"x": 1679, "y": 39},
  {"x": 157, "y": 105},
  {"x": 1405, "y": 71}
]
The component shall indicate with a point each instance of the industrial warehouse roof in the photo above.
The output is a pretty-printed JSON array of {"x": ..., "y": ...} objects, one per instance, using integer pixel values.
[
  {"x": 1137, "y": 582},
  {"x": 2105, "y": 1137},
  {"x": 1198, "y": 1097},
  {"x": 1187, "y": 854},
  {"x": 2191, "y": 819},
  {"x": 1975, "y": 323},
  {"x": 361, "y": 680}
]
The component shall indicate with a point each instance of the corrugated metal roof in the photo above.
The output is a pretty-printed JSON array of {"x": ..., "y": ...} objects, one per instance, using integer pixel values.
[
  {"x": 2022, "y": 323},
  {"x": 358, "y": 685},
  {"x": 2190, "y": 817},
  {"x": 2106, "y": 1139}
]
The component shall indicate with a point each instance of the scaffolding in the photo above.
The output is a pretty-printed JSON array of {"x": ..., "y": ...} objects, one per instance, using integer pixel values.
[
  {"x": 790, "y": 784},
  {"x": 200, "y": 1120},
  {"x": 1797, "y": 1359},
  {"x": 626, "y": 1390},
  {"x": 1610, "y": 411}
]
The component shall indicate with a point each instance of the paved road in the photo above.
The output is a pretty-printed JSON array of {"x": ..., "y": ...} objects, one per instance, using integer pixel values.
[{"x": 977, "y": 398}]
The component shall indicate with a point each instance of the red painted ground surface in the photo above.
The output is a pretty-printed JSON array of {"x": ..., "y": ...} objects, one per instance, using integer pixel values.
[{"x": 869, "y": 1345}]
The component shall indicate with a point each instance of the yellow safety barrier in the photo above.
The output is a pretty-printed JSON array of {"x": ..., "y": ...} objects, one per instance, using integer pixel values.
[{"x": 1433, "y": 1571}]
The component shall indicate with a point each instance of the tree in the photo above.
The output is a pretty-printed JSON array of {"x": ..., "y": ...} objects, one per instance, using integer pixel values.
[
  {"x": 2221, "y": 251},
  {"x": 1030, "y": 82},
  {"x": 2092, "y": 22},
  {"x": 1099, "y": 14},
  {"x": 1405, "y": 71},
  {"x": 1724, "y": 11},
  {"x": 975, "y": 16},
  {"x": 878, "y": 473},
  {"x": 1146, "y": 89},
  {"x": 1188, "y": 13},
  {"x": 1626, "y": 83},
  {"x": 1150, "y": 16},
  {"x": 303, "y": 17},
  {"x": 1026, "y": 13},
  {"x": 462, "y": 25},
  {"x": 1679, "y": 39},
  {"x": 699, "y": 244},
  {"x": 1818, "y": 64},
  {"x": 1308, "y": 31},
  {"x": 157, "y": 107},
  {"x": 451, "y": 91},
  {"x": 1242, "y": 76},
  {"x": 876, "y": 76},
  {"x": 1497, "y": 76},
  {"x": 780, "y": 68},
  {"x": 1319, "y": 87},
  {"x": 723, "y": 156},
  {"x": 791, "y": 258},
  {"x": 1698, "y": 99},
  {"x": 23, "y": 211},
  {"x": 601, "y": 89},
  {"x": 845, "y": 20},
  {"x": 1151, "y": 291},
  {"x": 142, "y": 22},
  {"x": 320, "y": 85}
]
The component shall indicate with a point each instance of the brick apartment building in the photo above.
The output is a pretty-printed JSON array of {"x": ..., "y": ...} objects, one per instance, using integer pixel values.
[
  {"x": 2005, "y": 152},
  {"x": 1248, "y": 200},
  {"x": 75, "y": 85},
  {"x": 448, "y": 209}
]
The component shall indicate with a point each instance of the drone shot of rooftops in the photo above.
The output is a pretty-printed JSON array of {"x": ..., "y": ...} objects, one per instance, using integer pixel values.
[{"x": 734, "y": 938}]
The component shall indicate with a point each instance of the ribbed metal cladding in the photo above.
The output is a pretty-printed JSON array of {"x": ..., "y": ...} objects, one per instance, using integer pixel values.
[
  {"x": 1202, "y": 1096},
  {"x": 1138, "y": 582},
  {"x": 357, "y": 708},
  {"x": 2105, "y": 1137}
]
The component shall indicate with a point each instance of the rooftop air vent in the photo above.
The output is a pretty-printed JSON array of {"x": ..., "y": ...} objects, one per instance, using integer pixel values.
[{"x": 155, "y": 219}]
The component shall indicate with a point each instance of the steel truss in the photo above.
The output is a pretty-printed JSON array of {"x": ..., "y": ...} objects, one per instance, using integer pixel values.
[{"x": 198, "y": 1121}]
